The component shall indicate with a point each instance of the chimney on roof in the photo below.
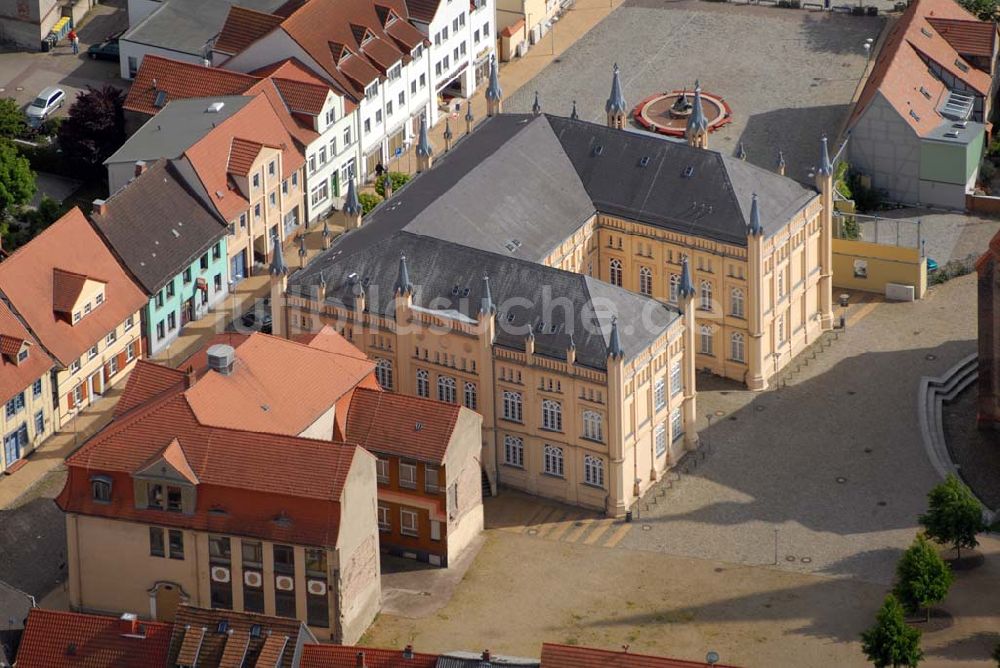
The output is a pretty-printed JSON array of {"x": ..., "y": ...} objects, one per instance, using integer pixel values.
[
  {"x": 206, "y": 62},
  {"x": 130, "y": 625},
  {"x": 189, "y": 377},
  {"x": 359, "y": 660},
  {"x": 221, "y": 358},
  {"x": 140, "y": 167},
  {"x": 100, "y": 207},
  {"x": 486, "y": 655},
  {"x": 408, "y": 652},
  {"x": 154, "y": 84}
]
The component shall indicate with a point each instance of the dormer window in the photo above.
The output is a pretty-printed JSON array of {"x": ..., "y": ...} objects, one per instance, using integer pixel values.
[
  {"x": 76, "y": 317},
  {"x": 22, "y": 355},
  {"x": 372, "y": 90},
  {"x": 86, "y": 308},
  {"x": 100, "y": 488},
  {"x": 99, "y": 299}
]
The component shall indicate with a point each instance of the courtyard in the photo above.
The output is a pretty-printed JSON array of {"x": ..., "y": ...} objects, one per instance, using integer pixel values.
[{"x": 788, "y": 75}]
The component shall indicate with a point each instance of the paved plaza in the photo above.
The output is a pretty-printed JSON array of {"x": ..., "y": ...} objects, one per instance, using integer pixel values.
[{"x": 788, "y": 75}]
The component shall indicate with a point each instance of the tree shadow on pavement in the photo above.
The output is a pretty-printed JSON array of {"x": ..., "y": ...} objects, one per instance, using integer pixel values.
[{"x": 977, "y": 646}]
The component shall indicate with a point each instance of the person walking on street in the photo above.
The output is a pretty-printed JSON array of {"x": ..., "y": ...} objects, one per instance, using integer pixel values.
[{"x": 74, "y": 41}]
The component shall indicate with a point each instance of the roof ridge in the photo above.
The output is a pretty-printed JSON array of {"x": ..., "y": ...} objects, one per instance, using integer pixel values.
[{"x": 18, "y": 251}]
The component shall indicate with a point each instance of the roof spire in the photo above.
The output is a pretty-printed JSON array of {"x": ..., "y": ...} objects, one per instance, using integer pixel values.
[
  {"x": 616, "y": 103},
  {"x": 493, "y": 90},
  {"x": 424, "y": 149},
  {"x": 696, "y": 121},
  {"x": 615, "y": 341},
  {"x": 755, "y": 227},
  {"x": 781, "y": 162},
  {"x": 278, "y": 267},
  {"x": 575, "y": 116},
  {"x": 825, "y": 166},
  {"x": 536, "y": 107},
  {"x": 741, "y": 151},
  {"x": 403, "y": 285},
  {"x": 486, "y": 304},
  {"x": 352, "y": 205},
  {"x": 686, "y": 288}
]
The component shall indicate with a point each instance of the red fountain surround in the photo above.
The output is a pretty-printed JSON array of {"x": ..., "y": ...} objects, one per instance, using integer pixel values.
[{"x": 667, "y": 113}]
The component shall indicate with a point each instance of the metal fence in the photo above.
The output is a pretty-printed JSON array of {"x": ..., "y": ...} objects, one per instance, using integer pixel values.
[{"x": 902, "y": 232}]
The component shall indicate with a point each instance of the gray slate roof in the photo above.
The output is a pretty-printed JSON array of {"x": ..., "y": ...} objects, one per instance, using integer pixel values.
[
  {"x": 448, "y": 278},
  {"x": 14, "y": 607},
  {"x": 157, "y": 227},
  {"x": 176, "y": 128},
  {"x": 186, "y": 26}
]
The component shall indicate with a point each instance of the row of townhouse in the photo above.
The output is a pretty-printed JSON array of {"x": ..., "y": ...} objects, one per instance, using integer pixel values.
[
  {"x": 386, "y": 64},
  {"x": 254, "y": 480},
  {"x": 202, "y": 638}
]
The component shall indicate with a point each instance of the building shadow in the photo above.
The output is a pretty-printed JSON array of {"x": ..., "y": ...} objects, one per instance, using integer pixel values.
[
  {"x": 796, "y": 132},
  {"x": 975, "y": 647},
  {"x": 837, "y": 33},
  {"x": 33, "y": 547}
]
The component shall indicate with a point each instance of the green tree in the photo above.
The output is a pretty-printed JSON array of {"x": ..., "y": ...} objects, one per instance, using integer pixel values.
[
  {"x": 17, "y": 181},
  {"x": 953, "y": 515},
  {"x": 368, "y": 201},
  {"x": 95, "y": 126},
  {"x": 985, "y": 10},
  {"x": 890, "y": 642},
  {"x": 11, "y": 119},
  {"x": 922, "y": 577},
  {"x": 399, "y": 179},
  {"x": 996, "y": 654}
]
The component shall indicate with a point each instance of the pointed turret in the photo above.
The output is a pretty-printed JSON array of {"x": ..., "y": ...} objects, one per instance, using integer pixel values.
[
  {"x": 575, "y": 116},
  {"x": 494, "y": 94},
  {"x": 696, "y": 131},
  {"x": 403, "y": 285},
  {"x": 781, "y": 162},
  {"x": 825, "y": 166},
  {"x": 447, "y": 135},
  {"x": 615, "y": 350},
  {"x": 741, "y": 151},
  {"x": 469, "y": 118},
  {"x": 302, "y": 251},
  {"x": 686, "y": 287},
  {"x": 424, "y": 151},
  {"x": 278, "y": 266},
  {"x": 326, "y": 233},
  {"x": 536, "y": 106},
  {"x": 615, "y": 106},
  {"x": 486, "y": 306},
  {"x": 352, "y": 207},
  {"x": 754, "y": 227},
  {"x": 571, "y": 351}
]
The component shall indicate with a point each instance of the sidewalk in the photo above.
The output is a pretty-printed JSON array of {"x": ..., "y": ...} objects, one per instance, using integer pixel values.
[
  {"x": 50, "y": 456},
  {"x": 574, "y": 24}
]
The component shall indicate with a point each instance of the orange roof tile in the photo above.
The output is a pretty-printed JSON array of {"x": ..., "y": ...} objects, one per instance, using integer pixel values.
[
  {"x": 397, "y": 424},
  {"x": 574, "y": 656},
  {"x": 242, "y": 28},
  {"x": 66, "y": 289},
  {"x": 54, "y": 639},
  {"x": 900, "y": 71},
  {"x": 15, "y": 378},
  {"x": 223, "y": 650},
  {"x": 209, "y": 156},
  {"x": 975, "y": 38},
  {"x": 27, "y": 278},
  {"x": 302, "y": 132},
  {"x": 146, "y": 381},
  {"x": 302, "y": 97},
  {"x": 277, "y": 386},
  {"x": 343, "y": 656},
  {"x": 178, "y": 80},
  {"x": 242, "y": 153}
]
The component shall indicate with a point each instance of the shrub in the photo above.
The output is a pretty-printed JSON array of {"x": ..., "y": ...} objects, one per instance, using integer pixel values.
[
  {"x": 369, "y": 201},
  {"x": 953, "y": 514},
  {"x": 890, "y": 642},
  {"x": 987, "y": 170},
  {"x": 922, "y": 577},
  {"x": 399, "y": 179}
]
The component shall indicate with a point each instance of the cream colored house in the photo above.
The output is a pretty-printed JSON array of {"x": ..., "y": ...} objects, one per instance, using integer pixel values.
[{"x": 80, "y": 305}]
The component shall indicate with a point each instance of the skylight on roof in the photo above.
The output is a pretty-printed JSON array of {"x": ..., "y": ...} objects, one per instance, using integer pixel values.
[
  {"x": 161, "y": 99},
  {"x": 926, "y": 93},
  {"x": 914, "y": 115},
  {"x": 960, "y": 65},
  {"x": 926, "y": 32}
]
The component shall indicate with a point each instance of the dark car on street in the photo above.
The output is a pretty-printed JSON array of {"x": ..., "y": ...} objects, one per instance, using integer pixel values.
[{"x": 106, "y": 50}]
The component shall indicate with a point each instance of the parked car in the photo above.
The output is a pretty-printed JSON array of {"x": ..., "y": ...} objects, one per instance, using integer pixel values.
[
  {"x": 45, "y": 104},
  {"x": 106, "y": 50},
  {"x": 932, "y": 265},
  {"x": 257, "y": 319}
]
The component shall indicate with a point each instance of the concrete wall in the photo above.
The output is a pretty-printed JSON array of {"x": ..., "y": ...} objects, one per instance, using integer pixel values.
[
  {"x": 885, "y": 148},
  {"x": 881, "y": 264},
  {"x": 322, "y": 428},
  {"x": 136, "y": 50},
  {"x": 357, "y": 550},
  {"x": 23, "y": 23},
  {"x": 463, "y": 468}
]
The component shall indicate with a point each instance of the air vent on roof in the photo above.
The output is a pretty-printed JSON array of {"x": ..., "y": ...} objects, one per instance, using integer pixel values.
[
  {"x": 418, "y": 426},
  {"x": 223, "y": 626},
  {"x": 465, "y": 292},
  {"x": 688, "y": 172},
  {"x": 926, "y": 93},
  {"x": 553, "y": 328},
  {"x": 219, "y": 194},
  {"x": 161, "y": 98},
  {"x": 960, "y": 124},
  {"x": 177, "y": 235},
  {"x": 455, "y": 289},
  {"x": 215, "y": 107},
  {"x": 255, "y": 631},
  {"x": 221, "y": 358},
  {"x": 914, "y": 115},
  {"x": 510, "y": 317},
  {"x": 951, "y": 134},
  {"x": 960, "y": 65},
  {"x": 599, "y": 149},
  {"x": 926, "y": 32},
  {"x": 512, "y": 245},
  {"x": 644, "y": 161},
  {"x": 352, "y": 278}
]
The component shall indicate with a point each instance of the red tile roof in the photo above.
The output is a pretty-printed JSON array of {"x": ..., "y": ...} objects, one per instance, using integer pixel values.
[
  {"x": 181, "y": 80},
  {"x": 55, "y": 639},
  {"x": 227, "y": 650},
  {"x": 242, "y": 153},
  {"x": 970, "y": 37},
  {"x": 147, "y": 380},
  {"x": 396, "y": 424},
  {"x": 900, "y": 72},
  {"x": 422, "y": 10},
  {"x": 27, "y": 279},
  {"x": 302, "y": 97},
  {"x": 15, "y": 378},
  {"x": 209, "y": 156},
  {"x": 343, "y": 656},
  {"x": 242, "y": 28},
  {"x": 66, "y": 289},
  {"x": 302, "y": 131},
  {"x": 572, "y": 656}
]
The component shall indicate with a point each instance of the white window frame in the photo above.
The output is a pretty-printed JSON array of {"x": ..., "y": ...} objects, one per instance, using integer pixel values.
[
  {"x": 660, "y": 439},
  {"x": 646, "y": 281},
  {"x": 553, "y": 462},
  {"x": 409, "y": 481},
  {"x": 513, "y": 406},
  {"x": 447, "y": 389},
  {"x": 737, "y": 351},
  {"x": 423, "y": 383},
  {"x": 593, "y": 471},
  {"x": 551, "y": 415},
  {"x": 383, "y": 373},
  {"x": 706, "y": 296},
  {"x": 471, "y": 395},
  {"x": 382, "y": 470},
  {"x": 659, "y": 394},
  {"x": 513, "y": 451},
  {"x": 384, "y": 521},
  {"x": 615, "y": 272},
  {"x": 593, "y": 426},
  {"x": 736, "y": 302},
  {"x": 414, "y": 519},
  {"x": 706, "y": 340}
]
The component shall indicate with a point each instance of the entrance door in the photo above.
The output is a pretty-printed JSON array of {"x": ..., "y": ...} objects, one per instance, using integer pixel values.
[
  {"x": 95, "y": 385},
  {"x": 168, "y": 597},
  {"x": 187, "y": 311},
  {"x": 11, "y": 448}
]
